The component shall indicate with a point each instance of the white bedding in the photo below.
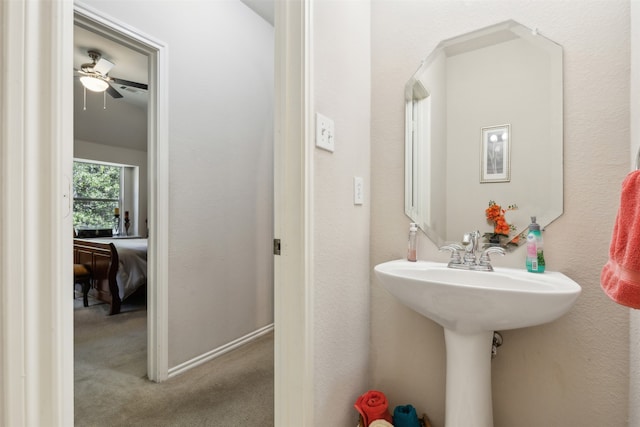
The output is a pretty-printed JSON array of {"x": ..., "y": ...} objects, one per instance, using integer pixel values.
[{"x": 132, "y": 271}]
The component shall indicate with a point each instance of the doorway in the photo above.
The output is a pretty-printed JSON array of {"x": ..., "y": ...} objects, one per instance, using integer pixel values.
[
  {"x": 157, "y": 176},
  {"x": 47, "y": 396}
]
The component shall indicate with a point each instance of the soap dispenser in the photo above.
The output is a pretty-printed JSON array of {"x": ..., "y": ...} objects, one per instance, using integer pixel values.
[
  {"x": 535, "y": 253},
  {"x": 412, "y": 254}
]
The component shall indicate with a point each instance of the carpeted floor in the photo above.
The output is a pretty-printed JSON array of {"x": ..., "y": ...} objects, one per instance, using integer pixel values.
[{"x": 111, "y": 387}]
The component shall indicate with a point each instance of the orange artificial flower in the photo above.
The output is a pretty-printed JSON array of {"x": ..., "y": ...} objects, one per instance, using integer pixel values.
[{"x": 495, "y": 214}]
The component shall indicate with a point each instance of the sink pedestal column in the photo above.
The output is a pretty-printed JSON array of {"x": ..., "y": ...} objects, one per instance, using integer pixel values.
[{"x": 468, "y": 397}]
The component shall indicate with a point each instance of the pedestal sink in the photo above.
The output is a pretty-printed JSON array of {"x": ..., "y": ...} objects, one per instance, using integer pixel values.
[{"x": 470, "y": 306}]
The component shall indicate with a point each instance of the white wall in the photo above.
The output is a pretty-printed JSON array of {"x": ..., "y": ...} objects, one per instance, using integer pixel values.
[
  {"x": 119, "y": 124},
  {"x": 574, "y": 371},
  {"x": 220, "y": 167},
  {"x": 341, "y": 88},
  {"x": 91, "y": 151}
]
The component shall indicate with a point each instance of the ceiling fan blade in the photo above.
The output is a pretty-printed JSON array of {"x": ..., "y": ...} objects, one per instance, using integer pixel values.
[
  {"x": 129, "y": 83},
  {"x": 103, "y": 66},
  {"x": 113, "y": 92}
]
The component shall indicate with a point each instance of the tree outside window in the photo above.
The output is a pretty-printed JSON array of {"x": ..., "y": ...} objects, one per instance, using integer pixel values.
[{"x": 96, "y": 193}]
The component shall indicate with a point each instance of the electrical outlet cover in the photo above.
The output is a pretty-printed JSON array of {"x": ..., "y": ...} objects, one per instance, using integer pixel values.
[
  {"x": 358, "y": 190},
  {"x": 324, "y": 133}
]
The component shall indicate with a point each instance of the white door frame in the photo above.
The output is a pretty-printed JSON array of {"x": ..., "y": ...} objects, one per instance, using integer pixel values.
[
  {"x": 36, "y": 152},
  {"x": 293, "y": 201},
  {"x": 36, "y": 252},
  {"x": 157, "y": 182}
]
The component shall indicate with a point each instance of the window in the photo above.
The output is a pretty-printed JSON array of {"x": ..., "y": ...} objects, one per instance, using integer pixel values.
[{"x": 96, "y": 193}]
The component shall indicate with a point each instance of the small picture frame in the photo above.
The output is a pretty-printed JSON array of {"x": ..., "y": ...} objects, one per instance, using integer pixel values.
[{"x": 495, "y": 154}]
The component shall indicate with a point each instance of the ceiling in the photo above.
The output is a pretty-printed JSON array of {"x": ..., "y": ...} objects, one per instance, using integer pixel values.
[
  {"x": 129, "y": 64},
  {"x": 123, "y": 123},
  {"x": 132, "y": 65},
  {"x": 264, "y": 8}
]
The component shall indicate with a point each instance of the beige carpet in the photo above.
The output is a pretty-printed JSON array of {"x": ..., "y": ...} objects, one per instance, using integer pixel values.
[{"x": 111, "y": 387}]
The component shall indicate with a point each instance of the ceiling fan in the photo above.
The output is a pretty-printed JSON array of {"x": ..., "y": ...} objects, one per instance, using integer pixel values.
[{"x": 94, "y": 76}]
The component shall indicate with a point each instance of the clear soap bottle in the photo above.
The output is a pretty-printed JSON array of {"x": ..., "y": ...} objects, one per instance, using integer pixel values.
[
  {"x": 412, "y": 253},
  {"x": 535, "y": 252}
]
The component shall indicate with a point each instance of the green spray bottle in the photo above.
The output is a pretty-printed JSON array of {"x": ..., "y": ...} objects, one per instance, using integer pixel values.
[{"x": 535, "y": 253}]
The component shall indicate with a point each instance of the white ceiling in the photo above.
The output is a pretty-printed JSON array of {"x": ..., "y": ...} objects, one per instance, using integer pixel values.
[
  {"x": 123, "y": 122},
  {"x": 129, "y": 64},
  {"x": 264, "y": 8}
]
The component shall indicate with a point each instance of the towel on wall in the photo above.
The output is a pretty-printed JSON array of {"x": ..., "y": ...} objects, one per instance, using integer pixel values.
[
  {"x": 373, "y": 406},
  {"x": 405, "y": 416},
  {"x": 620, "y": 277}
]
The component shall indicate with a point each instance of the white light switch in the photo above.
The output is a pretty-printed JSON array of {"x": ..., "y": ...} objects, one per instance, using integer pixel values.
[
  {"x": 358, "y": 190},
  {"x": 324, "y": 133}
]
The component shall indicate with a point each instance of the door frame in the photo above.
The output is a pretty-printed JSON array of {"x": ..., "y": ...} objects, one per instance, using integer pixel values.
[
  {"x": 157, "y": 178},
  {"x": 36, "y": 252},
  {"x": 293, "y": 224},
  {"x": 36, "y": 152}
]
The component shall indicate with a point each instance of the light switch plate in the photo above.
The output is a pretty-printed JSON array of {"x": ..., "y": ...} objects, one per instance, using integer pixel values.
[
  {"x": 324, "y": 133},
  {"x": 358, "y": 190}
]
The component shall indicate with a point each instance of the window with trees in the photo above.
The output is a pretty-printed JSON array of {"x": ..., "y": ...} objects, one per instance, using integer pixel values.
[{"x": 96, "y": 193}]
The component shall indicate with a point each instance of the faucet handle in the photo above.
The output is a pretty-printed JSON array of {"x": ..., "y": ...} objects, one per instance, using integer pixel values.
[
  {"x": 455, "y": 255},
  {"x": 484, "y": 258},
  {"x": 453, "y": 247}
]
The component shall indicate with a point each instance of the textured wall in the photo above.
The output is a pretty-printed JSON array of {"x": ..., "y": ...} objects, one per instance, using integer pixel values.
[
  {"x": 341, "y": 87},
  {"x": 575, "y": 370}
]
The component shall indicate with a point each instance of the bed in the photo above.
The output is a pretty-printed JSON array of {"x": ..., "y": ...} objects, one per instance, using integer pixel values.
[{"x": 118, "y": 267}]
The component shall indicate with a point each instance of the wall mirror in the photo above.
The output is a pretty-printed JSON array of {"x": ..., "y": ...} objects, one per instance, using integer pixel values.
[{"x": 483, "y": 122}]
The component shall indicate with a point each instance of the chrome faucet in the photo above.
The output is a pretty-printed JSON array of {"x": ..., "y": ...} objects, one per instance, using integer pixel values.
[
  {"x": 470, "y": 261},
  {"x": 470, "y": 243}
]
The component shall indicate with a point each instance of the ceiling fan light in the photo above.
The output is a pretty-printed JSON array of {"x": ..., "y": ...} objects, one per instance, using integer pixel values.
[{"x": 94, "y": 84}]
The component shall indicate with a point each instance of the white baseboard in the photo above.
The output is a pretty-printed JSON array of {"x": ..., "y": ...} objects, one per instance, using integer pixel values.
[{"x": 217, "y": 352}]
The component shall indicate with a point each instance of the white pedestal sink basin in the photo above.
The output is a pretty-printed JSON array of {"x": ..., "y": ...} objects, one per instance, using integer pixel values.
[{"x": 470, "y": 305}]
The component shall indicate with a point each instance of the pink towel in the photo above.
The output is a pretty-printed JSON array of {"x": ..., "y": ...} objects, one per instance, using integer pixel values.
[
  {"x": 373, "y": 406},
  {"x": 620, "y": 278}
]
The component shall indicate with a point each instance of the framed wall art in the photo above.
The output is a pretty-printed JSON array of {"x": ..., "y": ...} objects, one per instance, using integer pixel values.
[{"x": 495, "y": 154}]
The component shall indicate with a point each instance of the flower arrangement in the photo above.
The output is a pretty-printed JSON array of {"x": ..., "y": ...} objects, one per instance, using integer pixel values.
[{"x": 501, "y": 228}]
